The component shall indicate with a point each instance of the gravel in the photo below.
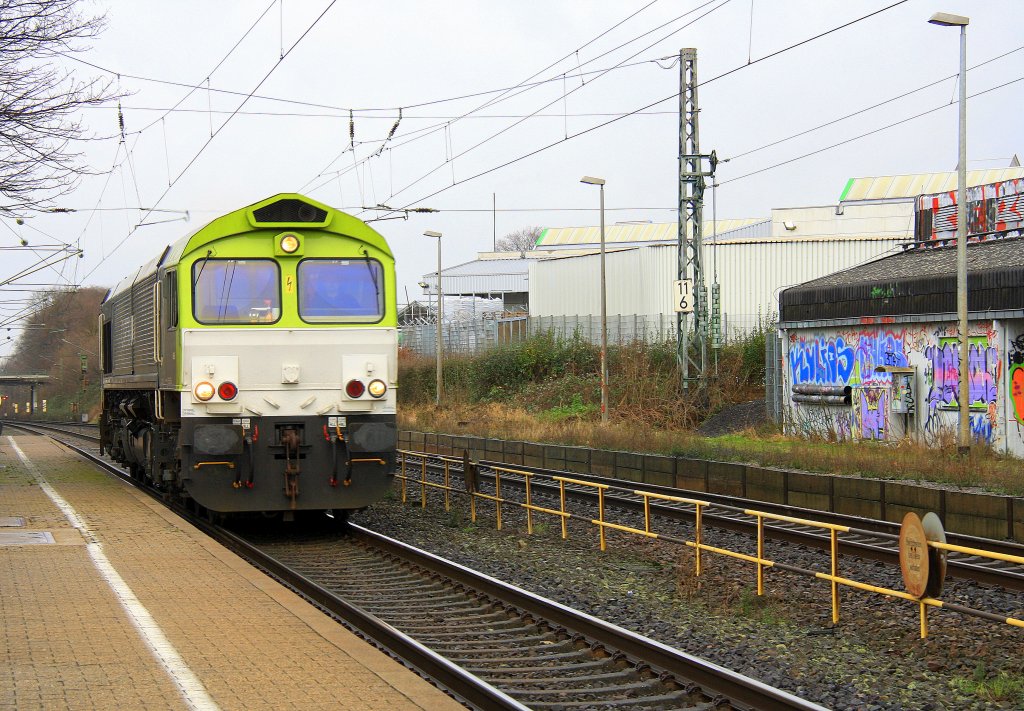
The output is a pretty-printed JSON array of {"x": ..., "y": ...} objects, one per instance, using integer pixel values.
[
  {"x": 735, "y": 418},
  {"x": 872, "y": 659}
]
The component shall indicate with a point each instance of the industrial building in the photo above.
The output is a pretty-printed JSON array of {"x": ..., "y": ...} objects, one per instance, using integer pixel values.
[
  {"x": 558, "y": 283},
  {"x": 873, "y": 352}
]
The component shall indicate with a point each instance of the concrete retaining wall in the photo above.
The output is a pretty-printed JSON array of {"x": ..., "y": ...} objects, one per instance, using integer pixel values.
[{"x": 986, "y": 515}]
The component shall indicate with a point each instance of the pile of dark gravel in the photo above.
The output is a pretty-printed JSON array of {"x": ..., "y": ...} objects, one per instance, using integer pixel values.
[
  {"x": 873, "y": 659},
  {"x": 735, "y": 418}
]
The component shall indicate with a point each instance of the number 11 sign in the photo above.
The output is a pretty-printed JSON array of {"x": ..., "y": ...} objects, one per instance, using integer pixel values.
[{"x": 682, "y": 296}]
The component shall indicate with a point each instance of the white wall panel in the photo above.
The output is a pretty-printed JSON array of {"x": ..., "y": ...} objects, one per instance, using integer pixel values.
[{"x": 751, "y": 274}]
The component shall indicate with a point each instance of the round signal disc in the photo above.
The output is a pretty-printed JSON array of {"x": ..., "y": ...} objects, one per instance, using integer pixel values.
[
  {"x": 204, "y": 391},
  {"x": 227, "y": 390}
]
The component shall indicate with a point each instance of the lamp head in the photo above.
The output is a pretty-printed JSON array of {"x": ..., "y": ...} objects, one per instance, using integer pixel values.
[
  {"x": 945, "y": 19},
  {"x": 592, "y": 181},
  {"x": 432, "y": 233}
]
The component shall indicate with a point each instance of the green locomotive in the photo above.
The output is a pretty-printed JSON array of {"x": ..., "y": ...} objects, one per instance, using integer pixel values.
[{"x": 252, "y": 366}]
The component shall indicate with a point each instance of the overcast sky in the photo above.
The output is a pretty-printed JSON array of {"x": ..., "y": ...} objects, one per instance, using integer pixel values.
[{"x": 293, "y": 134}]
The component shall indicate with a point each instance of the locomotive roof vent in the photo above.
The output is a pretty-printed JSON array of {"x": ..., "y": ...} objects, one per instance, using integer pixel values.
[{"x": 290, "y": 211}]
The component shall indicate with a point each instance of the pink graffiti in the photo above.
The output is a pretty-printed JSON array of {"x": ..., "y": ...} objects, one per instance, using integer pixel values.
[
  {"x": 872, "y": 413},
  {"x": 983, "y": 372}
]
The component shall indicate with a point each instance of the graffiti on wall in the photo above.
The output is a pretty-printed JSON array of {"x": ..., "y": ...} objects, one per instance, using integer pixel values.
[
  {"x": 832, "y": 425},
  {"x": 850, "y": 358},
  {"x": 821, "y": 361},
  {"x": 873, "y": 413},
  {"x": 942, "y": 375},
  {"x": 846, "y": 359},
  {"x": 982, "y": 372},
  {"x": 1015, "y": 376}
]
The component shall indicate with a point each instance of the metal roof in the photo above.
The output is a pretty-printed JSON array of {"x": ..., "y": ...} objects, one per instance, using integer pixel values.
[
  {"x": 904, "y": 187},
  {"x": 634, "y": 233},
  {"x": 482, "y": 276},
  {"x": 916, "y": 281}
]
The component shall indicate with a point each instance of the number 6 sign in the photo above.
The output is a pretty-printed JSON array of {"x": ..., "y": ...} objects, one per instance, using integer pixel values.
[{"x": 681, "y": 296}]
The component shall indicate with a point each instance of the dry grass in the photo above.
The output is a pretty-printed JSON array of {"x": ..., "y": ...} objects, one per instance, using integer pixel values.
[
  {"x": 902, "y": 461},
  {"x": 548, "y": 390}
]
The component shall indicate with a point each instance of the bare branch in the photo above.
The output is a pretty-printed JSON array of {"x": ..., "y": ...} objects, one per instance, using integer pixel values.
[
  {"x": 39, "y": 102},
  {"x": 519, "y": 241}
]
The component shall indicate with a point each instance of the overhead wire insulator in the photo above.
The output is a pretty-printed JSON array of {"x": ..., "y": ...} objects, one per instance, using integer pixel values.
[
  {"x": 351, "y": 130},
  {"x": 120, "y": 120},
  {"x": 390, "y": 133}
]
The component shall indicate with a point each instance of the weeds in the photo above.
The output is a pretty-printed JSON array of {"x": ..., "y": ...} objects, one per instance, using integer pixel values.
[
  {"x": 576, "y": 410},
  {"x": 1003, "y": 687}
]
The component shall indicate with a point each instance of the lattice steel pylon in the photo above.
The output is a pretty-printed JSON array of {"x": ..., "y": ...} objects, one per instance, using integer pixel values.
[{"x": 691, "y": 206}]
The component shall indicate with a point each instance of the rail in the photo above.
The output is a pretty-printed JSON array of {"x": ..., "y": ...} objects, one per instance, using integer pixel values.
[
  {"x": 694, "y": 675},
  {"x": 759, "y": 559}
]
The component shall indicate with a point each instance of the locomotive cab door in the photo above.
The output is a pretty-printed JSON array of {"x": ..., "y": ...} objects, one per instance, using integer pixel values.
[{"x": 168, "y": 328}]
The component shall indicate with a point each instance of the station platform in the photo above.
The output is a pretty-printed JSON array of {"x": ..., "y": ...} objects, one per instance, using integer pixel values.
[{"x": 108, "y": 600}]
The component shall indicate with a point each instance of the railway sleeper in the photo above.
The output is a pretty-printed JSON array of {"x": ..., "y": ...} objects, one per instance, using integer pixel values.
[
  {"x": 475, "y": 643},
  {"x": 450, "y": 617},
  {"x": 583, "y": 665},
  {"x": 633, "y": 691},
  {"x": 526, "y": 681},
  {"x": 527, "y": 655},
  {"x": 407, "y": 602},
  {"x": 497, "y": 633},
  {"x": 455, "y": 606},
  {"x": 675, "y": 699}
]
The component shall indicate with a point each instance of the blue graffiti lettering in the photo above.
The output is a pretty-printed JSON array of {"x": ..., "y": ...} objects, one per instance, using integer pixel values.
[
  {"x": 981, "y": 428},
  {"x": 821, "y": 361}
]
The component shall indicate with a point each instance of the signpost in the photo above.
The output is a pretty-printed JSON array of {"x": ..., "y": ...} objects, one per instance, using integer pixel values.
[{"x": 682, "y": 296}]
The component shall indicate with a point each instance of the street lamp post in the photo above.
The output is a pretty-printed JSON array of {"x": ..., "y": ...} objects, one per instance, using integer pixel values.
[
  {"x": 440, "y": 315},
  {"x": 945, "y": 19},
  {"x": 604, "y": 308}
]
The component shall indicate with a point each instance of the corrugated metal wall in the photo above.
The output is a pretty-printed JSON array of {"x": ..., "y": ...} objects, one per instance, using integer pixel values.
[{"x": 751, "y": 273}]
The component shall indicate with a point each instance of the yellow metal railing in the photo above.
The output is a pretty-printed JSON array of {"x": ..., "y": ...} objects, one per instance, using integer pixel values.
[{"x": 759, "y": 559}]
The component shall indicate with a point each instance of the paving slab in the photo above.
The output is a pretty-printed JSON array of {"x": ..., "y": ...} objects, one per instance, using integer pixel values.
[{"x": 71, "y": 638}]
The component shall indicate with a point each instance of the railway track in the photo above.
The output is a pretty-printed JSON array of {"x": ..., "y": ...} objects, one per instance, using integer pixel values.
[
  {"x": 489, "y": 643},
  {"x": 866, "y": 538},
  {"x": 537, "y": 652}
]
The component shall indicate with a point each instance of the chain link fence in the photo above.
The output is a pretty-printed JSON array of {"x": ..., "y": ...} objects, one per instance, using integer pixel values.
[{"x": 478, "y": 334}]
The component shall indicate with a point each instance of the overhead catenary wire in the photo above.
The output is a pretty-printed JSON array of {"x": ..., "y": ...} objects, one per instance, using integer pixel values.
[
  {"x": 673, "y": 96},
  {"x": 503, "y": 93},
  {"x": 870, "y": 108},
  {"x": 865, "y": 135},
  {"x": 555, "y": 101},
  {"x": 215, "y": 134}
]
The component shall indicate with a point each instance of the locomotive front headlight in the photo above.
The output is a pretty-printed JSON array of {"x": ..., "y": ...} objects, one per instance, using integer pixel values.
[
  {"x": 204, "y": 391},
  {"x": 289, "y": 243},
  {"x": 377, "y": 388}
]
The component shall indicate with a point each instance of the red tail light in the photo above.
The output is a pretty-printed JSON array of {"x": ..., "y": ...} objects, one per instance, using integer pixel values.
[
  {"x": 227, "y": 391},
  {"x": 354, "y": 388}
]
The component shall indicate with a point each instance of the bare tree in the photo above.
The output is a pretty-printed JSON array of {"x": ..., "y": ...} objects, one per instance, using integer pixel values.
[
  {"x": 39, "y": 102},
  {"x": 519, "y": 241}
]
